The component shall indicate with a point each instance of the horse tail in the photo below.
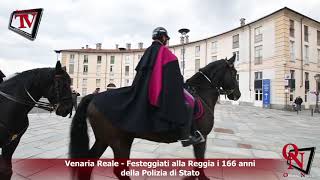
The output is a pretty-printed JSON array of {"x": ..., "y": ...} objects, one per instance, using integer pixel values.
[{"x": 79, "y": 138}]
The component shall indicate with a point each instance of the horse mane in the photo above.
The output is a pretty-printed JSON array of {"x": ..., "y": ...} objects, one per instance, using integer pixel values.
[{"x": 28, "y": 77}]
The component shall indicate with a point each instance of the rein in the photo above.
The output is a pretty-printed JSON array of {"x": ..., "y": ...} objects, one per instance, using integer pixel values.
[
  {"x": 220, "y": 91},
  {"x": 39, "y": 104}
]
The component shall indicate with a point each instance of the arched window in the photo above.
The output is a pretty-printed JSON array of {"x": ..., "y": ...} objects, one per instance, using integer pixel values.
[{"x": 111, "y": 86}]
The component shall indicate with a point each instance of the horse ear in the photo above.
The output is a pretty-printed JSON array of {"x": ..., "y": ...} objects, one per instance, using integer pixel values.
[
  {"x": 58, "y": 68},
  {"x": 64, "y": 68},
  {"x": 232, "y": 59}
]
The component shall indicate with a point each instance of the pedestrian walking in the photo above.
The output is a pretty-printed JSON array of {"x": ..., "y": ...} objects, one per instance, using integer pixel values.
[
  {"x": 75, "y": 95},
  {"x": 298, "y": 101}
]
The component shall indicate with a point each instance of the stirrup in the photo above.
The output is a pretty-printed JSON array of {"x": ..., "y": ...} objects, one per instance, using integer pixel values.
[{"x": 199, "y": 134}]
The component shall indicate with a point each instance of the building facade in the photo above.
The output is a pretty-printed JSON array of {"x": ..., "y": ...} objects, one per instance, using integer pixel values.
[{"x": 283, "y": 47}]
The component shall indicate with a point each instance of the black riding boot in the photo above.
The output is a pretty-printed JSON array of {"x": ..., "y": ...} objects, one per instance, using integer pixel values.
[{"x": 188, "y": 138}]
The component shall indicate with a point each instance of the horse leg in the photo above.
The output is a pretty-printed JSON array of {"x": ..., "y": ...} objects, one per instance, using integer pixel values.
[
  {"x": 121, "y": 149},
  {"x": 199, "y": 152},
  {"x": 5, "y": 159},
  {"x": 94, "y": 154}
]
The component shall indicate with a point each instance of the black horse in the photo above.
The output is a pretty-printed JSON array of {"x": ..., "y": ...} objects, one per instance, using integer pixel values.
[
  {"x": 206, "y": 84},
  {"x": 18, "y": 95}
]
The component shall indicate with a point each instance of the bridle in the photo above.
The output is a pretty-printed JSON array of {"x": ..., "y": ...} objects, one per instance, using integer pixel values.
[
  {"x": 217, "y": 87},
  {"x": 39, "y": 104}
]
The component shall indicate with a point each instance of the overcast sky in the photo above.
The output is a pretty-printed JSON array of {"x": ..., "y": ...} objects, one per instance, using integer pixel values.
[{"x": 74, "y": 23}]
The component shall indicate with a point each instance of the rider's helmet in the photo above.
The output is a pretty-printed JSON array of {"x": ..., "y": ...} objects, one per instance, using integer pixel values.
[{"x": 159, "y": 32}]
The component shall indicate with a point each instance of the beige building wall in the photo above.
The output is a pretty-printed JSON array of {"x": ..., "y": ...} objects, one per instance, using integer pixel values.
[{"x": 278, "y": 58}]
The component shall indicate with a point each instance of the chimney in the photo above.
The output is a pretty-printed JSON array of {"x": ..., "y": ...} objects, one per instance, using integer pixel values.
[
  {"x": 87, "y": 46},
  {"x": 117, "y": 46},
  {"x": 140, "y": 45},
  {"x": 128, "y": 46},
  {"x": 187, "y": 39},
  {"x": 181, "y": 39},
  {"x": 82, "y": 47},
  {"x": 242, "y": 22},
  {"x": 98, "y": 46}
]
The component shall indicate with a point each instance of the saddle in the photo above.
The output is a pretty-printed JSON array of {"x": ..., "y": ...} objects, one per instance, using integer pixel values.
[{"x": 193, "y": 100}]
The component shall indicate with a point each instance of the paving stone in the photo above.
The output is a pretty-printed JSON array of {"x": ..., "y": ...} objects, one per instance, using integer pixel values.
[{"x": 265, "y": 130}]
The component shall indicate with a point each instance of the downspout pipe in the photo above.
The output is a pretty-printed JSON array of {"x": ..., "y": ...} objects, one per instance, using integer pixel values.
[
  {"x": 250, "y": 59},
  {"x": 301, "y": 50}
]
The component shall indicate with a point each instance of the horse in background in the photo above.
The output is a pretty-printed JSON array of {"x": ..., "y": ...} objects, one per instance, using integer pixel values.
[{"x": 18, "y": 95}]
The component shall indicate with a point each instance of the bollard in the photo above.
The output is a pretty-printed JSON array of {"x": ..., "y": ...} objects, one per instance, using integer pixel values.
[{"x": 311, "y": 111}]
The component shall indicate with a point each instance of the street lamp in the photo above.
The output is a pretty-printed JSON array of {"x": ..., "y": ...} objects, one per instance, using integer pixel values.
[
  {"x": 317, "y": 78},
  {"x": 183, "y": 32},
  {"x": 58, "y": 53}
]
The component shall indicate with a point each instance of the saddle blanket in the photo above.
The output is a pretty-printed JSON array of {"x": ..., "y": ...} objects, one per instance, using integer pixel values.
[{"x": 195, "y": 103}]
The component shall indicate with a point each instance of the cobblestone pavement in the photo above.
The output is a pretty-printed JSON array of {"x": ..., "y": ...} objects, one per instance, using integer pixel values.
[{"x": 239, "y": 132}]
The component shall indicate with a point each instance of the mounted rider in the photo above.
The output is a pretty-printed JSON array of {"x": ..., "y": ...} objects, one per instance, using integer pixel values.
[{"x": 155, "y": 102}]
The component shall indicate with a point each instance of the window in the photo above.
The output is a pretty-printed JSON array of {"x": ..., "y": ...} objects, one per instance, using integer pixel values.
[
  {"x": 98, "y": 83},
  {"x": 258, "y": 76},
  {"x": 214, "y": 47},
  {"x": 127, "y": 60},
  {"x": 98, "y": 71},
  {"x": 126, "y": 71},
  {"x": 257, "y": 34},
  {"x": 84, "y": 82},
  {"x": 197, "y": 53},
  {"x": 292, "y": 51},
  {"x": 306, "y": 54},
  {"x": 258, "y": 85},
  {"x": 237, "y": 55},
  {"x": 85, "y": 69},
  {"x": 292, "y": 74},
  {"x": 318, "y": 38},
  {"x": 197, "y": 65},
  {"x": 213, "y": 58},
  {"x": 306, "y": 34},
  {"x": 291, "y": 28},
  {"x": 235, "y": 41},
  {"x": 306, "y": 86},
  {"x": 71, "y": 64},
  {"x": 71, "y": 84},
  {"x": 71, "y": 68},
  {"x": 111, "y": 70},
  {"x": 306, "y": 76},
  {"x": 85, "y": 59},
  {"x": 98, "y": 59},
  {"x": 258, "y": 55},
  {"x": 258, "y": 94},
  {"x": 292, "y": 81},
  {"x": 84, "y": 91},
  {"x": 72, "y": 58},
  {"x": 112, "y": 58},
  {"x": 127, "y": 82}
]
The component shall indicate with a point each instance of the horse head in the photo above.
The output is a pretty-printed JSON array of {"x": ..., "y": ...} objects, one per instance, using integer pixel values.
[
  {"x": 222, "y": 74},
  {"x": 59, "y": 91}
]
